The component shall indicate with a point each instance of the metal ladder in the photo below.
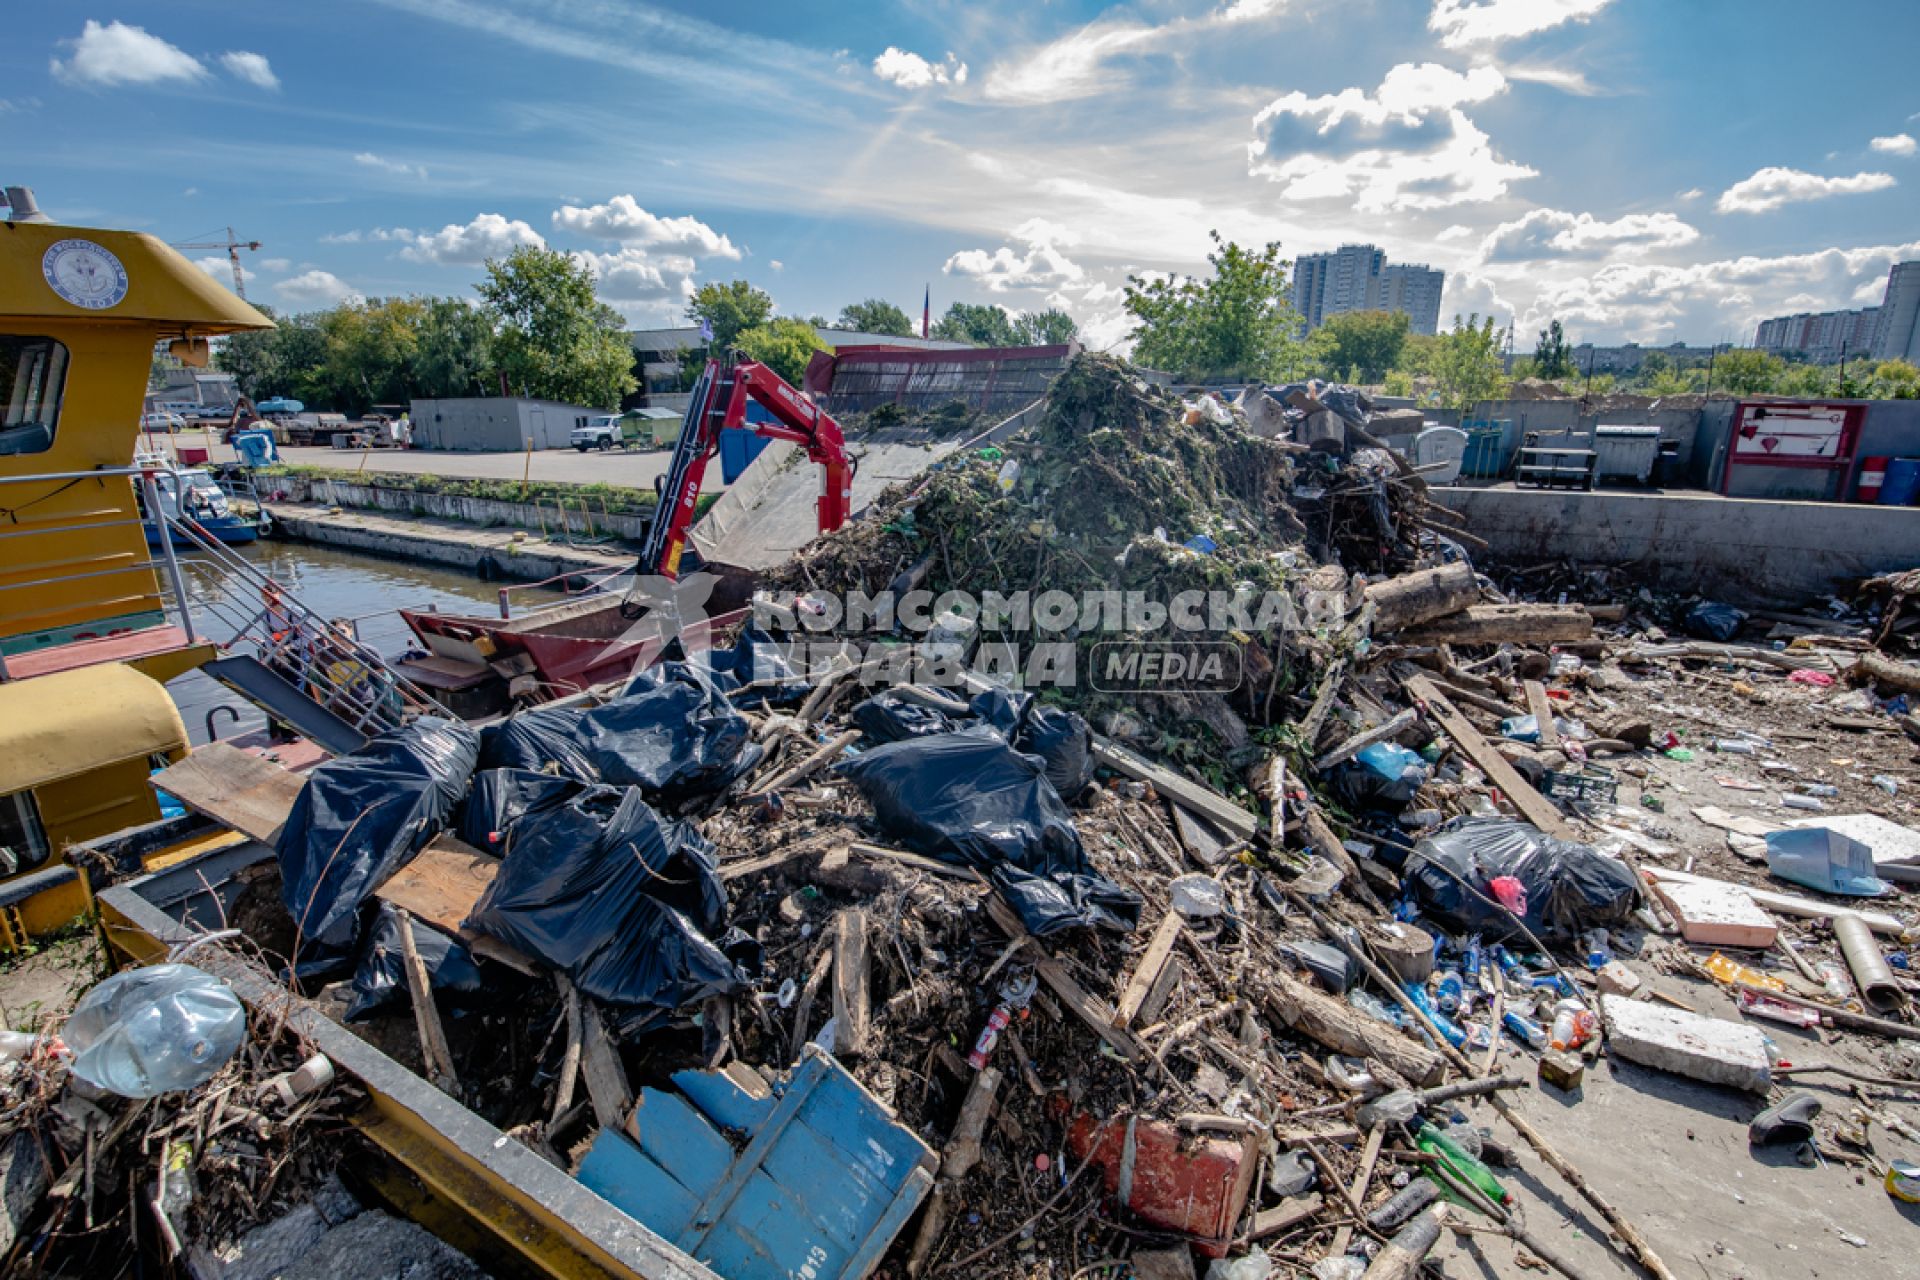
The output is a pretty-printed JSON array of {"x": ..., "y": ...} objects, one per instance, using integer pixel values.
[{"x": 329, "y": 665}]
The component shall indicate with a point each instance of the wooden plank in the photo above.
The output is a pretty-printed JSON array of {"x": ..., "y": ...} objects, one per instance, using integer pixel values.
[
  {"x": 851, "y": 1010},
  {"x": 234, "y": 787},
  {"x": 600, "y": 1066},
  {"x": 1299, "y": 1209},
  {"x": 1539, "y": 624},
  {"x": 1542, "y": 713},
  {"x": 1203, "y": 844},
  {"x": 1147, "y": 973},
  {"x": 442, "y": 883},
  {"x": 426, "y": 1017},
  {"x": 1209, "y": 804},
  {"x": 1090, "y": 1009},
  {"x": 1363, "y": 1179},
  {"x": 570, "y": 1056},
  {"x": 932, "y": 866},
  {"x": 1533, "y": 806}
]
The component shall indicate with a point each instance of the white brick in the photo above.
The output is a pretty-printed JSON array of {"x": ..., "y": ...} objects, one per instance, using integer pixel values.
[
  {"x": 1717, "y": 915},
  {"x": 1729, "y": 1053}
]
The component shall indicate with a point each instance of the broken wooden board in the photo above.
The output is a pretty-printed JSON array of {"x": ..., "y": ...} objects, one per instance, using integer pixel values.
[
  {"x": 1533, "y": 806},
  {"x": 1202, "y": 842},
  {"x": 234, "y": 787},
  {"x": 1090, "y": 1009},
  {"x": 1146, "y": 974},
  {"x": 1717, "y": 915},
  {"x": 1536, "y": 624},
  {"x": 442, "y": 883},
  {"x": 851, "y": 1007},
  {"x": 1209, "y": 804},
  {"x": 1359, "y": 742},
  {"x": 1542, "y": 711}
]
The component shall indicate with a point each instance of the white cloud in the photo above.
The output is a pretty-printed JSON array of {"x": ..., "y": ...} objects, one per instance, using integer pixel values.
[
  {"x": 776, "y": 264},
  {"x": 1405, "y": 146},
  {"x": 1900, "y": 144},
  {"x": 190, "y": 192},
  {"x": 1461, "y": 23},
  {"x": 634, "y": 274},
  {"x": 220, "y": 269},
  {"x": 369, "y": 160},
  {"x": 622, "y": 218},
  {"x": 1455, "y": 232},
  {"x": 275, "y": 264},
  {"x": 1565, "y": 79},
  {"x": 11, "y": 106},
  {"x": 1039, "y": 262},
  {"x": 1546, "y": 233},
  {"x": 1774, "y": 186},
  {"x": 911, "y": 71},
  {"x": 1691, "y": 193},
  {"x": 119, "y": 54},
  {"x": 489, "y": 235},
  {"x": 315, "y": 286},
  {"x": 251, "y": 67},
  {"x": 1075, "y": 65}
]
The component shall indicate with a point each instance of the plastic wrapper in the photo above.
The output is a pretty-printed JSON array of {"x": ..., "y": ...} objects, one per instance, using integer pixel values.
[
  {"x": 501, "y": 797},
  {"x": 160, "y": 1029},
  {"x": 380, "y": 980},
  {"x": 1711, "y": 620},
  {"x": 968, "y": 797},
  {"x": 627, "y": 903},
  {"x": 673, "y": 734},
  {"x": 1568, "y": 887},
  {"x": 362, "y": 817}
]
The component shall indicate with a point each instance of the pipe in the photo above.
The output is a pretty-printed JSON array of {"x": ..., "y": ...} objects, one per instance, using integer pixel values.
[{"x": 1870, "y": 971}]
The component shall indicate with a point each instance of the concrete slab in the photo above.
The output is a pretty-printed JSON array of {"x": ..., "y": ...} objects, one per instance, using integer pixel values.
[
  {"x": 1717, "y": 915},
  {"x": 1687, "y": 1044}
]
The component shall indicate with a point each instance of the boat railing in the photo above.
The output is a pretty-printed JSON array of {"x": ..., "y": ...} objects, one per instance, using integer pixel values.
[
  {"x": 327, "y": 663},
  {"x": 565, "y": 582}
]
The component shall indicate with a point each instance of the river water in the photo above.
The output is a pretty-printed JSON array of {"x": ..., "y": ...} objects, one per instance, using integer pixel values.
[{"x": 338, "y": 584}]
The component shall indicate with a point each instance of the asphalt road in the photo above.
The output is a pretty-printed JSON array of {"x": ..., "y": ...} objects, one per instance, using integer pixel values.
[{"x": 632, "y": 468}]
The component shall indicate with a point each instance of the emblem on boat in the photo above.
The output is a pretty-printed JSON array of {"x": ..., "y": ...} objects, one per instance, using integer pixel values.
[{"x": 84, "y": 273}]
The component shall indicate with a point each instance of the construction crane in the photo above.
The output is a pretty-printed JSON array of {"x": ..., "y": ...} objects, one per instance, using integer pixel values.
[{"x": 233, "y": 246}]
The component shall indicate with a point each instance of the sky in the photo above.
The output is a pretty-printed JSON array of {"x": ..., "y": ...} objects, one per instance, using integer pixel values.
[{"x": 1643, "y": 170}]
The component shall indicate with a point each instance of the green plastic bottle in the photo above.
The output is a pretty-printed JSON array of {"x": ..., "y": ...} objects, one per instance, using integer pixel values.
[{"x": 1459, "y": 1162}]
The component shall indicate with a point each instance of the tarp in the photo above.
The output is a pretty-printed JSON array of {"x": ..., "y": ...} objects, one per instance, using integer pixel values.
[
  {"x": 627, "y": 903},
  {"x": 362, "y": 817}
]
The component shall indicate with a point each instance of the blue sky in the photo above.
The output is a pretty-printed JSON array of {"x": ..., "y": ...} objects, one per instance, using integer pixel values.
[{"x": 1648, "y": 170}]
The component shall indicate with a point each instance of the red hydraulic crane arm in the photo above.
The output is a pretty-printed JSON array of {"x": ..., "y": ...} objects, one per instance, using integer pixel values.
[{"x": 719, "y": 402}]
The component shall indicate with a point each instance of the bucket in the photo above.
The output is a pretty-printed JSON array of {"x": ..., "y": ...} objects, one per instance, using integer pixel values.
[
  {"x": 1873, "y": 473},
  {"x": 1902, "y": 482}
]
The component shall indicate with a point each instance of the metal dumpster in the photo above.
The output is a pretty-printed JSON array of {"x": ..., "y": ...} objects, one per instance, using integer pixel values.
[{"x": 1625, "y": 452}]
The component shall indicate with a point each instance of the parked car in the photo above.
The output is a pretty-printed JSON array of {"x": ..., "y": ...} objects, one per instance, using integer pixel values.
[
  {"x": 168, "y": 422},
  {"x": 605, "y": 431}
]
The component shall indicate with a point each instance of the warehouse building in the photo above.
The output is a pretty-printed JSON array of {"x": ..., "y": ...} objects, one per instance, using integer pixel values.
[{"x": 492, "y": 424}]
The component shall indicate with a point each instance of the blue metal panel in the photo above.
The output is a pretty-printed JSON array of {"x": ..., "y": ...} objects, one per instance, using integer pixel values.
[
  {"x": 720, "y": 1096},
  {"x": 769, "y": 1235},
  {"x": 675, "y": 1136},
  {"x": 621, "y": 1174}
]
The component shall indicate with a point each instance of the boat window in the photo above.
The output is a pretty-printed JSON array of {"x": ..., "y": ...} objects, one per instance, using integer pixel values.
[
  {"x": 23, "y": 839},
  {"x": 33, "y": 372}
]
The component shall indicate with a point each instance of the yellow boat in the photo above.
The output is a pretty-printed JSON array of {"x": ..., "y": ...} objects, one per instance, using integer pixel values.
[{"x": 88, "y": 636}]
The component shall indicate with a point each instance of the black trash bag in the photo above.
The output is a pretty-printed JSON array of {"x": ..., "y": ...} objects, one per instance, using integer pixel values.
[
  {"x": 757, "y": 657},
  {"x": 543, "y": 740},
  {"x": 968, "y": 797},
  {"x": 501, "y": 797},
  {"x": 888, "y": 717},
  {"x": 1049, "y": 904},
  {"x": 380, "y": 980},
  {"x": 1570, "y": 887},
  {"x": 627, "y": 903},
  {"x": 1711, "y": 620},
  {"x": 1059, "y": 737},
  {"x": 673, "y": 734},
  {"x": 362, "y": 817},
  {"x": 1360, "y": 789}
]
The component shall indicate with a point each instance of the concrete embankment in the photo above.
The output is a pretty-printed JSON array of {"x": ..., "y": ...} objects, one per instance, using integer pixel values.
[
  {"x": 1744, "y": 548},
  {"x": 492, "y": 554},
  {"x": 563, "y": 510}
]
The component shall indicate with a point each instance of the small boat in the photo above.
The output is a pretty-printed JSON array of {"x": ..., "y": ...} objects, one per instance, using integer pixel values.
[{"x": 193, "y": 494}]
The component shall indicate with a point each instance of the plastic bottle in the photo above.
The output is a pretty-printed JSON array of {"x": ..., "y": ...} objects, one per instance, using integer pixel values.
[
  {"x": 1734, "y": 746},
  {"x": 1809, "y": 803},
  {"x": 1825, "y": 790},
  {"x": 1436, "y": 1142},
  {"x": 1527, "y": 1032},
  {"x": 1573, "y": 1025},
  {"x": 1598, "y": 952},
  {"x": 1835, "y": 980},
  {"x": 1470, "y": 961},
  {"x": 1508, "y": 962},
  {"x": 1448, "y": 991},
  {"x": 155, "y": 1030},
  {"x": 1453, "y": 1034}
]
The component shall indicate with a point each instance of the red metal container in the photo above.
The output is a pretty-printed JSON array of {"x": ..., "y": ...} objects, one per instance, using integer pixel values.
[{"x": 1873, "y": 473}]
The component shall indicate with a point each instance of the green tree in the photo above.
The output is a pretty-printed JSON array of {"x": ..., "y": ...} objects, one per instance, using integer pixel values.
[
  {"x": 253, "y": 357},
  {"x": 1896, "y": 380},
  {"x": 1745, "y": 372},
  {"x": 371, "y": 344},
  {"x": 729, "y": 308},
  {"x": 1552, "y": 357},
  {"x": 1466, "y": 364},
  {"x": 875, "y": 315},
  {"x": 555, "y": 338},
  {"x": 983, "y": 326},
  {"x": 783, "y": 344},
  {"x": 455, "y": 350},
  {"x": 1050, "y": 328},
  {"x": 1366, "y": 342},
  {"x": 1654, "y": 366},
  {"x": 1239, "y": 323}
]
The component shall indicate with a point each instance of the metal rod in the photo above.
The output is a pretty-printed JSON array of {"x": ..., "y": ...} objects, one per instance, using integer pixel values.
[{"x": 174, "y": 575}]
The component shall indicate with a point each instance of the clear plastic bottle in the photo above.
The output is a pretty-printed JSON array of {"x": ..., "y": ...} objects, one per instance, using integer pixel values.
[
  {"x": 155, "y": 1030},
  {"x": 1573, "y": 1025}
]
